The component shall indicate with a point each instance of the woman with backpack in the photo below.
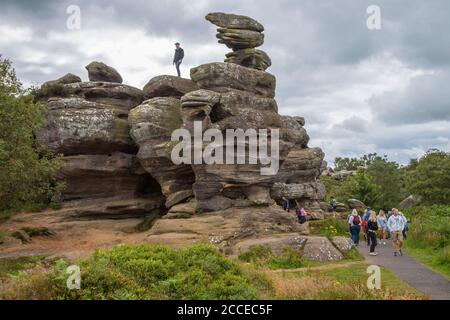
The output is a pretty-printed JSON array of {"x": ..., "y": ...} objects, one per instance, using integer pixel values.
[
  {"x": 372, "y": 228},
  {"x": 355, "y": 226}
]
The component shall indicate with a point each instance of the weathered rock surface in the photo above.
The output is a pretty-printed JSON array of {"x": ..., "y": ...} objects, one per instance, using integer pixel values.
[
  {"x": 222, "y": 77},
  {"x": 76, "y": 126},
  {"x": 66, "y": 79},
  {"x": 250, "y": 58},
  {"x": 409, "y": 202},
  {"x": 234, "y": 21},
  {"x": 321, "y": 249},
  {"x": 343, "y": 244},
  {"x": 152, "y": 124},
  {"x": 168, "y": 86},
  {"x": 89, "y": 127},
  {"x": 356, "y": 204},
  {"x": 98, "y": 71},
  {"x": 104, "y": 175}
]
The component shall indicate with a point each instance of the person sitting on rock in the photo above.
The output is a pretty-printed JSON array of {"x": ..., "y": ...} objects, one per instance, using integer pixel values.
[{"x": 178, "y": 57}]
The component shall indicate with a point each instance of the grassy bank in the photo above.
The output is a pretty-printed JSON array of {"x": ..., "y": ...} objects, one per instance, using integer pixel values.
[
  {"x": 198, "y": 272},
  {"x": 428, "y": 238}
]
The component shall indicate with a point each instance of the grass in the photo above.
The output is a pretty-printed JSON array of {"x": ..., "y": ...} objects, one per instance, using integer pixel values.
[
  {"x": 198, "y": 272},
  {"x": 329, "y": 227},
  {"x": 11, "y": 267},
  {"x": 340, "y": 283},
  {"x": 428, "y": 237},
  {"x": 432, "y": 259}
]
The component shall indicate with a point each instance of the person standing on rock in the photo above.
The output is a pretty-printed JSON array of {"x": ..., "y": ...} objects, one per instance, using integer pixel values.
[
  {"x": 372, "y": 228},
  {"x": 178, "y": 57},
  {"x": 355, "y": 226},
  {"x": 396, "y": 224}
]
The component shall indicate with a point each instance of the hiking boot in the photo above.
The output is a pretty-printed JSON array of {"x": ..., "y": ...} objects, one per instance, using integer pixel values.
[
  {"x": 401, "y": 253},
  {"x": 395, "y": 254},
  {"x": 373, "y": 254}
]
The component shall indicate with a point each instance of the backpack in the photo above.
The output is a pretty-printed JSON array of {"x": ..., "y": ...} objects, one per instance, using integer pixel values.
[{"x": 356, "y": 220}]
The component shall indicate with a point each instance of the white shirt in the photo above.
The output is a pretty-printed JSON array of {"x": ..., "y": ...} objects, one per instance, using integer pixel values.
[{"x": 396, "y": 223}]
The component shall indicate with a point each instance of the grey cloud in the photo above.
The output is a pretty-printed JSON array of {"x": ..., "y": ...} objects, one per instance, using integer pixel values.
[{"x": 427, "y": 98}]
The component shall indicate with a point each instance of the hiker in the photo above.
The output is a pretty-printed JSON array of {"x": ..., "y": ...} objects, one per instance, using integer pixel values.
[
  {"x": 333, "y": 204},
  {"x": 178, "y": 57},
  {"x": 382, "y": 225},
  {"x": 396, "y": 224},
  {"x": 364, "y": 225},
  {"x": 302, "y": 214},
  {"x": 406, "y": 227},
  {"x": 285, "y": 204},
  {"x": 372, "y": 228},
  {"x": 355, "y": 226}
]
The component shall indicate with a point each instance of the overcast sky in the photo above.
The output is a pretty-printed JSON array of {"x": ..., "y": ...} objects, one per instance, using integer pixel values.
[{"x": 360, "y": 90}]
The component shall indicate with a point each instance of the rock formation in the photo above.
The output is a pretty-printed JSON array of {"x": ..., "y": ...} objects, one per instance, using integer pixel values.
[
  {"x": 87, "y": 123},
  {"x": 116, "y": 142},
  {"x": 235, "y": 94}
]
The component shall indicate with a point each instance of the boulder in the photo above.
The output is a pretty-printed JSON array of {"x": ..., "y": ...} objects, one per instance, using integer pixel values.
[
  {"x": 234, "y": 21},
  {"x": 238, "y": 39},
  {"x": 343, "y": 244},
  {"x": 277, "y": 243},
  {"x": 321, "y": 249},
  {"x": 168, "y": 86},
  {"x": 250, "y": 58},
  {"x": 66, "y": 79},
  {"x": 356, "y": 204},
  {"x": 98, "y": 71},
  {"x": 222, "y": 77},
  {"x": 118, "y": 95},
  {"x": 409, "y": 202},
  {"x": 310, "y": 190}
]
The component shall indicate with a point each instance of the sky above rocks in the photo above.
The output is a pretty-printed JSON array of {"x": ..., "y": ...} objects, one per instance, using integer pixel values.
[{"x": 360, "y": 90}]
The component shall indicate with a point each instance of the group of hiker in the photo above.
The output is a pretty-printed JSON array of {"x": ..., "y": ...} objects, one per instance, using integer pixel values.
[{"x": 393, "y": 225}]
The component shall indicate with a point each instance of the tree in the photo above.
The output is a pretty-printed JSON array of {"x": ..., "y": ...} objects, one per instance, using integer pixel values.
[
  {"x": 387, "y": 176},
  {"x": 430, "y": 179},
  {"x": 355, "y": 163},
  {"x": 27, "y": 170},
  {"x": 362, "y": 187}
]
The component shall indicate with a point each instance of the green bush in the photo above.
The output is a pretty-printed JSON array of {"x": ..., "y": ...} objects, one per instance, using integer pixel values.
[{"x": 154, "y": 272}]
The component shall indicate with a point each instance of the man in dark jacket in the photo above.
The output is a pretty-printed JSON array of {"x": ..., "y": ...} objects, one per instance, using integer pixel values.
[{"x": 178, "y": 57}]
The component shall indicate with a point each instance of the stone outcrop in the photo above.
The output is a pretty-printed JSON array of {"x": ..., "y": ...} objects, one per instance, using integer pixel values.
[
  {"x": 116, "y": 142},
  {"x": 356, "y": 204},
  {"x": 88, "y": 125},
  {"x": 98, "y": 71},
  {"x": 409, "y": 202},
  {"x": 222, "y": 96},
  {"x": 241, "y": 34},
  {"x": 66, "y": 79},
  {"x": 168, "y": 86}
]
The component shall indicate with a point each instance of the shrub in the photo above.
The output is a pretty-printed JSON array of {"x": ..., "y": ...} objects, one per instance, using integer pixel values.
[{"x": 151, "y": 272}]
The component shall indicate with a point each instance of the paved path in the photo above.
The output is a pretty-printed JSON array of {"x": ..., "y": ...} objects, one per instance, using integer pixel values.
[{"x": 410, "y": 270}]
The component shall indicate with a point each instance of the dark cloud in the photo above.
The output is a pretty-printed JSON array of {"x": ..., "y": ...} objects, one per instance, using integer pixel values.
[{"x": 360, "y": 90}]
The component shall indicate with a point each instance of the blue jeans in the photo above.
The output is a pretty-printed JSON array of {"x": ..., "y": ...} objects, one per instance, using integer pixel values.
[
  {"x": 177, "y": 65},
  {"x": 355, "y": 230}
]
